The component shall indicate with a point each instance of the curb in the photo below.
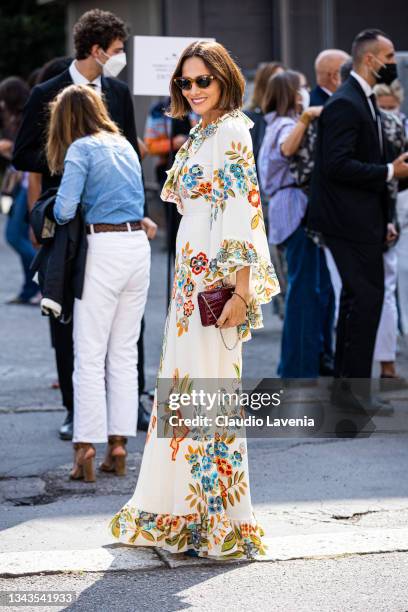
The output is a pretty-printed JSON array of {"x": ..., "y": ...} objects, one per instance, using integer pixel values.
[{"x": 116, "y": 557}]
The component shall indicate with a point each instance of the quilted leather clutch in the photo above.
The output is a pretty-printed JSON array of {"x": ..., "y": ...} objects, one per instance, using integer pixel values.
[{"x": 211, "y": 303}]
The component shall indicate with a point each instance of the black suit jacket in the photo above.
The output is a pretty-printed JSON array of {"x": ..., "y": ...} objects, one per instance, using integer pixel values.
[
  {"x": 29, "y": 148},
  {"x": 349, "y": 197},
  {"x": 61, "y": 261},
  {"x": 318, "y": 97}
]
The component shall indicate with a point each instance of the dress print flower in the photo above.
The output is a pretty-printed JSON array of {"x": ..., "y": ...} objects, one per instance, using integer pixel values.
[
  {"x": 206, "y": 463},
  {"x": 199, "y": 263},
  {"x": 184, "y": 286},
  {"x": 196, "y": 171},
  {"x": 189, "y": 286},
  {"x": 188, "y": 308},
  {"x": 254, "y": 198},
  {"x": 193, "y": 184},
  {"x": 236, "y": 459},
  {"x": 196, "y": 471},
  {"x": 205, "y": 188},
  {"x": 179, "y": 301},
  {"x": 189, "y": 180},
  {"x": 237, "y": 176},
  {"x": 214, "y": 504},
  {"x": 192, "y": 458},
  {"x": 224, "y": 467},
  {"x": 236, "y": 169},
  {"x": 251, "y": 173},
  {"x": 220, "y": 449},
  {"x": 206, "y": 481}
]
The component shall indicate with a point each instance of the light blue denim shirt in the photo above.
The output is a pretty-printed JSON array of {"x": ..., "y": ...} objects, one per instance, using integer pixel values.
[{"x": 103, "y": 174}]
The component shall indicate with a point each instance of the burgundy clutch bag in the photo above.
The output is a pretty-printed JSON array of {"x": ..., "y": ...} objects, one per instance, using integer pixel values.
[{"x": 211, "y": 304}]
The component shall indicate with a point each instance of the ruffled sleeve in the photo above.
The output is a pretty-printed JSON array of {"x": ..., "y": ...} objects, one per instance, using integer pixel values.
[
  {"x": 237, "y": 234},
  {"x": 170, "y": 192}
]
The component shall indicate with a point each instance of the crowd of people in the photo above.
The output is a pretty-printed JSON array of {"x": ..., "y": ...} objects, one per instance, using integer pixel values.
[
  {"x": 341, "y": 233},
  {"x": 327, "y": 165}
]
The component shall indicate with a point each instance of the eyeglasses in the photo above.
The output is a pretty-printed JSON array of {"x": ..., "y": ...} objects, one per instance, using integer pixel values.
[{"x": 202, "y": 82}]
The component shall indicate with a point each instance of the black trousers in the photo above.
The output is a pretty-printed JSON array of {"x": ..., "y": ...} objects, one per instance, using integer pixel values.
[
  {"x": 362, "y": 274},
  {"x": 62, "y": 341}
]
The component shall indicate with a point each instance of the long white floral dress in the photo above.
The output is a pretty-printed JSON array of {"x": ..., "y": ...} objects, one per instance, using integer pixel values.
[{"x": 192, "y": 492}]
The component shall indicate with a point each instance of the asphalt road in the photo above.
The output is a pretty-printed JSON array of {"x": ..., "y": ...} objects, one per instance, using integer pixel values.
[{"x": 375, "y": 583}]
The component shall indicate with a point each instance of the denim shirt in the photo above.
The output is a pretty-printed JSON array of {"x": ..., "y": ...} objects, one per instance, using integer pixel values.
[
  {"x": 102, "y": 173},
  {"x": 287, "y": 206}
]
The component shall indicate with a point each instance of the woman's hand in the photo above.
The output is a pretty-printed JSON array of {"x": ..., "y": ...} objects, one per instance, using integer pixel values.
[
  {"x": 234, "y": 313},
  {"x": 313, "y": 112},
  {"x": 150, "y": 227},
  {"x": 6, "y": 148},
  {"x": 392, "y": 233}
]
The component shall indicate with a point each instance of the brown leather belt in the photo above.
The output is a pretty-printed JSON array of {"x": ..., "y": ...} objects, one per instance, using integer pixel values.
[{"x": 97, "y": 228}]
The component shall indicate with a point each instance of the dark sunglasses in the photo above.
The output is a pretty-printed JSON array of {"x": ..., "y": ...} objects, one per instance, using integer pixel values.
[{"x": 202, "y": 82}]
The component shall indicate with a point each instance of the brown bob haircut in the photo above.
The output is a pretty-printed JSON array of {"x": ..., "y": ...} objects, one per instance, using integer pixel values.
[
  {"x": 281, "y": 93},
  {"x": 77, "y": 111},
  {"x": 220, "y": 64},
  {"x": 263, "y": 73}
]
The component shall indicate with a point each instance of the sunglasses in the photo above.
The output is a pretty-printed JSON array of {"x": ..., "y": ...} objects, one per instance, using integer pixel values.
[{"x": 202, "y": 82}]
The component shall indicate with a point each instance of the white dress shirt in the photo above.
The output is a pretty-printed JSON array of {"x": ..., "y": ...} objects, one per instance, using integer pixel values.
[
  {"x": 368, "y": 90},
  {"x": 79, "y": 79},
  {"x": 329, "y": 93}
]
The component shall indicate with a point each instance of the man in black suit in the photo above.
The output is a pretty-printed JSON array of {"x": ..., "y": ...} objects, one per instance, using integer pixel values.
[
  {"x": 349, "y": 206},
  {"x": 327, "y": 70},
  {"x": 99, "y": 38}
]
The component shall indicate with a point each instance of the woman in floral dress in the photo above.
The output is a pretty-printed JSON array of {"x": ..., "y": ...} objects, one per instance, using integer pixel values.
[{"x": 193, "y": 491}]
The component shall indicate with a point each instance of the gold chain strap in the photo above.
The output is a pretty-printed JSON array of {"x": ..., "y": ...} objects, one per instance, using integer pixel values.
[{"x": 229, "y": 348}]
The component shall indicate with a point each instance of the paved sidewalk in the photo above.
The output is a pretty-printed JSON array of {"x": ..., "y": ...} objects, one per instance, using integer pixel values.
[{"x": 317, "y": 498}]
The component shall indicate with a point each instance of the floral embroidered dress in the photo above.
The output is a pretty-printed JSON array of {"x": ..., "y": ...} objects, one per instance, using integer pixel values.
[{"x": 193, "y": 492}]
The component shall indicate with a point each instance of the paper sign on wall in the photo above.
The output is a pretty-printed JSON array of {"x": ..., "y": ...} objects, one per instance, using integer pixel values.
[{"x": 154, "y": 60}]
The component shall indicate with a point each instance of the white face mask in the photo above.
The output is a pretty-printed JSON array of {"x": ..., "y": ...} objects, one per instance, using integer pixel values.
[
  {"x": 114, "y": 64},
  {"x": 305, "y": 95}
]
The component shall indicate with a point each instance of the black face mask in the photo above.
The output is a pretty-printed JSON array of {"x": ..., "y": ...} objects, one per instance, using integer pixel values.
[{"x": 387, "y": 74}]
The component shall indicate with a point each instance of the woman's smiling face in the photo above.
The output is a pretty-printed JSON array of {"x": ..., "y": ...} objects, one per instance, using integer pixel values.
[{"x": 205, "y": 100}]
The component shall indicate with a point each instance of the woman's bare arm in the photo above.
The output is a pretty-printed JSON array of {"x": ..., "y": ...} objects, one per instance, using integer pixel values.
[{"x": 294, "y": 139}]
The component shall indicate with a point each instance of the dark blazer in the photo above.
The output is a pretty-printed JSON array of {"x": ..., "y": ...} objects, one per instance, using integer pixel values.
[
  {"x": 318, "y": 97},
  {"x": 61, "y": 261},
  {"x": 349, "y": 197},
  {"x": 29, "y": 148},
  {"x": 257, "y": 131}
]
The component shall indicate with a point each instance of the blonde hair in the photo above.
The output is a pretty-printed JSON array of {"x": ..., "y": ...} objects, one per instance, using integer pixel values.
[
  {"x": 395, "y": 90},
  {"x": 220, "y": 64},
  {"x": 77, "y": 111}
]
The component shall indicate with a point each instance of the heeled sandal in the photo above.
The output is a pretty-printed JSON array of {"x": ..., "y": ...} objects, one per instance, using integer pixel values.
[
  {"x": 84, "y": 468},
  {"x": 115, "y": 459}
]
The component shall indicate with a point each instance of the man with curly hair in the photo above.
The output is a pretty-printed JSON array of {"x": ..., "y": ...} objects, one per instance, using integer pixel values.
[{"x": 99, "y": 38}]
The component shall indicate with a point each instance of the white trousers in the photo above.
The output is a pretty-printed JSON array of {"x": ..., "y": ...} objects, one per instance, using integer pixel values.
[
  {"x": 386, "y": 341},
  {"x": 106, "y": 330},
  {"x": 402, "y": 250},
  {"x": 336, "y": 282}
]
